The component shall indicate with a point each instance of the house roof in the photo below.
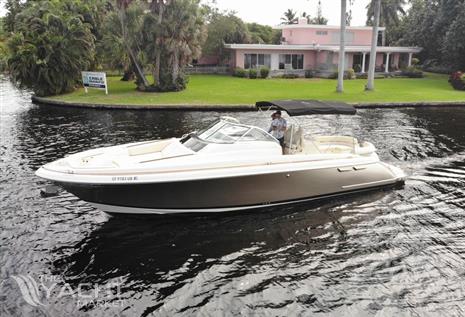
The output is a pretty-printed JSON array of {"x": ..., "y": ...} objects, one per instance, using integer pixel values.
[
  {"x": 327, "y": 27},
  {"x": 317, "y": 47}
]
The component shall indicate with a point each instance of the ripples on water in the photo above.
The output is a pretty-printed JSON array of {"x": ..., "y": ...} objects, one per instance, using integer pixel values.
[{"x": 396, "y": 252}]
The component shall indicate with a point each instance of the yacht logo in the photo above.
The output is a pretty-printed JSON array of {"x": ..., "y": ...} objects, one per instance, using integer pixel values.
[
  {"x": 37, "y": 291},
  {"x": 29, "y": 289}
]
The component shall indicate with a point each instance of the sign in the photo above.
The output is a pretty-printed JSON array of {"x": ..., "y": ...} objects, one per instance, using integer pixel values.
[{"x": 94, "y": 80}]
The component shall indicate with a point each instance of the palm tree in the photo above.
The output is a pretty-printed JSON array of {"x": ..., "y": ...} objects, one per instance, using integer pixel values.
[
  {"x": 389, "y": 12},
  {"x": 176, "y": 31},
  {"x": 114, "y": 52},
  {"x": 307, "y": 16},
  {"x": 49, "y": 48},
  {"x": 320, "y": 19},
  {"x": 128, "y": 42},
  {"x": 290, "y": 17},
  {"x": 374, "y": 41},
  {"x": 341, "y": 66}
]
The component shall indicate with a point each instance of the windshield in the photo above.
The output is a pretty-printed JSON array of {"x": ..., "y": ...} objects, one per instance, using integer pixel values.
[{"x": 228, "y": 132}]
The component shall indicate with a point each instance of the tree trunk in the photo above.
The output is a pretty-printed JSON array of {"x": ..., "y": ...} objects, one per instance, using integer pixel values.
[
  {"x": 374, "y": 42},
  {"x": 156, "y": 71},
  {"x": 128, "y": 73},
  {"x": 138, "y": 69},
  {"x": 342, "y": 44},
  {"x": 175, "y": 66}
]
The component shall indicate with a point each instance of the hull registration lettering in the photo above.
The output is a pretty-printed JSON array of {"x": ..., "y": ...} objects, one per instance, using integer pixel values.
[{"x": 124, "y": 178}]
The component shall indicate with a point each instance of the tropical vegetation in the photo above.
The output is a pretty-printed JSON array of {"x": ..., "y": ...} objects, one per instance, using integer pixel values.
[
  {"x": 136, "y": 37},
  {"x": 263, "y": 34},
  {"x": 173, "y": 33},
  {"x": 391, "y": 13},
  {"x": 439, "y": 28},
  {"x": 50, "y": 46},
  {"x": 290, "y": 17},
  {"x": 45, "y": 44},
  {"x": 3, "y": 47},
  {"x": 224, "y": 28}
]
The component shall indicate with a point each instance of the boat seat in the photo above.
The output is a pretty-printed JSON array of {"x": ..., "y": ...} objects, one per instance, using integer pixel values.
[
  {"x": 336, "y": 140},
  {"x": 294, "y": 134},
  {"x": 148, "y": 148},
  {"x": 310, "y": 147}
]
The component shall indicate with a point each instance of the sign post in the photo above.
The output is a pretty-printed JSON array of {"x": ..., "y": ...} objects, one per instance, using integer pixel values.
[{"x": 94, "y": 80}]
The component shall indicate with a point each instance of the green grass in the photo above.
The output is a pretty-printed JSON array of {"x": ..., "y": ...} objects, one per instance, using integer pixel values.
[{"x": 219, "y": 90}]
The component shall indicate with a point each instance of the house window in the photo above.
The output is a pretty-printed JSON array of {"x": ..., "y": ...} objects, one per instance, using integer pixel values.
[
  {"x": 321, "y": 32},
  {"x": 291, "y": 61},
  {"x": 257, "y": 60},
  {"x": 381, "y": 38}
]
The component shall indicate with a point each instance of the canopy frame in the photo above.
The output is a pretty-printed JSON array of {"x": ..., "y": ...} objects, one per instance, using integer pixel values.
[{"x": 300, "y": 107}]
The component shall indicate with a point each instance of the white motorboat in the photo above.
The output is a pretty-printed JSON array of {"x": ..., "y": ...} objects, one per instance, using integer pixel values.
[{"x": 229, "y": 166}]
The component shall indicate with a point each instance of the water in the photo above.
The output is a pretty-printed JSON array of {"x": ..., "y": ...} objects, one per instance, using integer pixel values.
[{"x": 398, "y": 252}]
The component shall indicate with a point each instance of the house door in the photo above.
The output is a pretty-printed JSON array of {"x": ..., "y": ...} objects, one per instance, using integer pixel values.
[
  {"x": 357, "y": 62},
  {"x": 403, "y": 60}
]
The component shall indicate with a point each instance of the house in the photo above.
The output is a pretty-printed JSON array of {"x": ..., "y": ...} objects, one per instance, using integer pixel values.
[{"x": 316, "y": 47}]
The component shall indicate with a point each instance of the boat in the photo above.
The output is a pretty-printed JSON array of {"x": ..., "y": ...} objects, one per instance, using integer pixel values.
[{"x": 229, "y": 166}]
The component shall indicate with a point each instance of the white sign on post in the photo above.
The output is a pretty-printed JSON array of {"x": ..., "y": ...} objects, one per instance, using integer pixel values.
[{"x": 95, "y": 80}]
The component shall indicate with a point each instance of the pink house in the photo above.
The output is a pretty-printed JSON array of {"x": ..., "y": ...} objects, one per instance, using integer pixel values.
[{"x": 316, "y": 47}]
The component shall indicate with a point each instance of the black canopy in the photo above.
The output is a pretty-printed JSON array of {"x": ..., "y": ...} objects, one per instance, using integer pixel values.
[{"x": 308, "y": 107}]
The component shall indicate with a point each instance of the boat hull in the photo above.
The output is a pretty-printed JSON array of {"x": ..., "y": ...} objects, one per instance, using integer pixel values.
[{"x": 235, "y": 193}]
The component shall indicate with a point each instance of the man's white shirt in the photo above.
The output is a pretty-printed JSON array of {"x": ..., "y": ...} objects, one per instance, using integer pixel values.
[{"x": 279, "y": 125}]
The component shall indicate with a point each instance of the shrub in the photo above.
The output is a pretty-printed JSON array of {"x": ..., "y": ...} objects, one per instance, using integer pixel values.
[
  {"x": 350, "y": 74},
  {"x": 253, "y": 73},
  {"x": 264, "y": 72},
  {"x": 333, "y": 75},
  {"x": 434, "y": 66},
  {"x": 412, "y": 72},
  {"x": 239, "y": 72},
  {"x": 309, "y": 74},
  {"x": 3, "y": 57},
  {"x": 457, "y": 80},
  {"x": 357, "y": 68},
  {"x": 415, "y": 61},
  {"x": 290, "y": 76},
  {"x": 365, "y": 76},
  {"x": 49, "y": 48}
]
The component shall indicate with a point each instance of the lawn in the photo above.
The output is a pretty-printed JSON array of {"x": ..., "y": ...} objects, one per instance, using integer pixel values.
[{"x": 219, "y": 90}]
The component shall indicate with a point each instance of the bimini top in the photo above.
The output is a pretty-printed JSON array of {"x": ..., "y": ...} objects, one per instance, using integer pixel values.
[{"x": 308, "y": 107}]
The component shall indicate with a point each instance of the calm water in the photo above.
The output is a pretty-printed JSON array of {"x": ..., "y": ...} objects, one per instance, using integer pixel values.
[{"x": 399, "y": 252}]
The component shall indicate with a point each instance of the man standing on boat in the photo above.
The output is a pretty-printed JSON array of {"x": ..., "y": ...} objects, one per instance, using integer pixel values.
[{"x": 278, "y": 127}]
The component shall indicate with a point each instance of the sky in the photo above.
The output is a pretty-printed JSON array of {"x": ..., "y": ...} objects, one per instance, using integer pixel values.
[{"x": 270, "y": 11}]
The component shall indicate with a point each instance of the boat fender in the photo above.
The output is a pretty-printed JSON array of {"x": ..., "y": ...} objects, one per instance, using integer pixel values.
[{"x": 49, "y": 191}]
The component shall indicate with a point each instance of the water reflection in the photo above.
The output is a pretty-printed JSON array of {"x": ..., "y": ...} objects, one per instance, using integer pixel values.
[
  {"x": 398, "y": 252},
  {"x": 169, "y": 253}
]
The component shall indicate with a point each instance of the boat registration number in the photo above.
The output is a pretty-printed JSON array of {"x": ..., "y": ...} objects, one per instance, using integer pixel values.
[{"x": 124, "y": 178}]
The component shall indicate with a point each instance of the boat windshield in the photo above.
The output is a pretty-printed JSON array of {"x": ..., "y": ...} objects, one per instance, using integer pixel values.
[{"x": 228, "y": 132}]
